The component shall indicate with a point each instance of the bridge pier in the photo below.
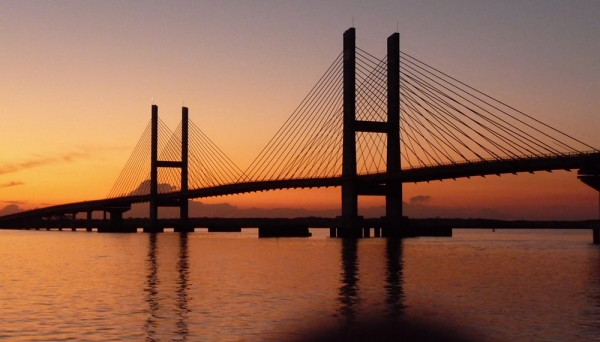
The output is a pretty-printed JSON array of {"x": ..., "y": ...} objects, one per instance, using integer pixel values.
[
  {"x": 74, "y": 222},
  {"x": 224, "y": 228},
  {"x": 350, "y": 233},
  {"x": 184, "y": 227},
  {"x": 116, "y": 224},
  {"x": 366, "y": 232},
  {"x": 354, "y": 229},
  {"x": 283, "y": 230},
  {"x": 154, "y": 227},
  {"x": 88, "y": 221}
]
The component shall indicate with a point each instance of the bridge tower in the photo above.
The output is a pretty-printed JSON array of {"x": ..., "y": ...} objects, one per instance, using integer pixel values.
[
  {"x": 351, "y": 187},
  {"x": 155, "y": 164}
]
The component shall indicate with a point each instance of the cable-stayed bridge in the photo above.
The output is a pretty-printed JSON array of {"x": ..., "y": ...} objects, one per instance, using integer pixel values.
[{"x": 368, "y": 125}]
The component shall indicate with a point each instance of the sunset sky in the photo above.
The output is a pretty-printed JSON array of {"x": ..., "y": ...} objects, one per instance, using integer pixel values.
[{"x": 77, "y": 79}]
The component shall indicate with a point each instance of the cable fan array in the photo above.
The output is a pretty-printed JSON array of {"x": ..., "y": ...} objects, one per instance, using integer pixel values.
[
  {"x": 208, "y": 166},
  {"x": 134, "y": 179},
  {"x": 371, "y": 105},
  {"x": 442, "y": 121},
  {"x": 309, "y": 144},
  {"x": 445, "y": 121}
]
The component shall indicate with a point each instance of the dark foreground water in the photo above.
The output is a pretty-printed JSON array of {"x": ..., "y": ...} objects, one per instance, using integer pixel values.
[{"x": 502, "y": 286}]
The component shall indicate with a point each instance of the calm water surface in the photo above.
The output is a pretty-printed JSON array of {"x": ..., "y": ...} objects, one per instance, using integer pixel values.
[{"x": 502, "y": 286}]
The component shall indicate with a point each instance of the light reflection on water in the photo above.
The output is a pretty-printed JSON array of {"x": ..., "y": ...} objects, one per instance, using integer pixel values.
[
  {"x": 152, "y": 289},
  {"x": 507, "y": 285},
  {"x": 393, "y": 278},
  {"x": 182, "y": 290},
  {"x": 348, "y": 296}
]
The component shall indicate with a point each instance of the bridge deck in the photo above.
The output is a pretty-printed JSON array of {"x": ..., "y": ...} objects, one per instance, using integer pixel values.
[{"x": 532, "y": 164}]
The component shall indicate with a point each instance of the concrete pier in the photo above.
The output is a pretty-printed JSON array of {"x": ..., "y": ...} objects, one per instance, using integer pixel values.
[
  {"x": 227, "y": 228},
  {"x": 352, "y": 233},
  {"x": 116, "y": 223},
  {"x": 153, "y": 228},
  {"x": 184, "y": 227},
  {"x": 377, "y": 232},
  {"x": 123, "y": 228},
  {"x": 283, "y": 231},
  {"x": 367, "y": 232}
]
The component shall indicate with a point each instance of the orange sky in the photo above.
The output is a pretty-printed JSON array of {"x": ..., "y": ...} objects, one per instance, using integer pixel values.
[{"x": 79, "y": 79}]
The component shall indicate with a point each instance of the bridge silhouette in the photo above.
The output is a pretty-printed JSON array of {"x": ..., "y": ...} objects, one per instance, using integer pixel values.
[{"x": 368, "y": 126}]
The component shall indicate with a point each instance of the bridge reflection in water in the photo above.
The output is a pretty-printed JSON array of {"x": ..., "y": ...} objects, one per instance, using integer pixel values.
[
  {"x": 151, "y": 289},
  {"x": 152, "y": 292},
  {"x": 349, "y": 292},
  {"x": 159, "y": 318},
  {"x": 183, "y": 270},
  {"x": 226, "y": 287}
]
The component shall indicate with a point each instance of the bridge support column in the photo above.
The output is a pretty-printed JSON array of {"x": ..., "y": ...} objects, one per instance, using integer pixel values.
[
  {"x": 74, "y": 222},
  {"x": 153, "y": 173},
  {"x": 184, "y": 225},
  {"x": 366, "y": 232},
  {"x": 88, "y": 222},
  {"x": 393, "y": 196},
  {"x": 349, "y": 185}
]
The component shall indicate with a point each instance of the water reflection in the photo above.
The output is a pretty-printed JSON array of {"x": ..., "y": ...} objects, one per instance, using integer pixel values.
[
  {"x": 349, "y": 296},
  {"x": 592, "y": 312},
  {"x": 183, "y": 270},
  {"x": 156, "y": 317},
  {"x": 152, "y": 289},
  {"x": 348, "y": 293},
  {"x": 393, "y": 278}
]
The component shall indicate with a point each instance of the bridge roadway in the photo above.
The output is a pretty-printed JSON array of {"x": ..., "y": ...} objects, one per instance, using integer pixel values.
[{"x": 368, "y": 184}]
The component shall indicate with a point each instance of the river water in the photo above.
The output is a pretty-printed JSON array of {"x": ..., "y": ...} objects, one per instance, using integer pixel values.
[{"x": 498, "y": 286}]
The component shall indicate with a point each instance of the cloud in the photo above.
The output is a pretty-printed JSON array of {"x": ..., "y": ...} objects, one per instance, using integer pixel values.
[
  {"x": 420, "y": 199},
  {"x": 9, "y": 184},
  {"x": 42, "y": 161},
  {"x": 10, "y": 209},
  {"x": 14, "y": 202}
]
